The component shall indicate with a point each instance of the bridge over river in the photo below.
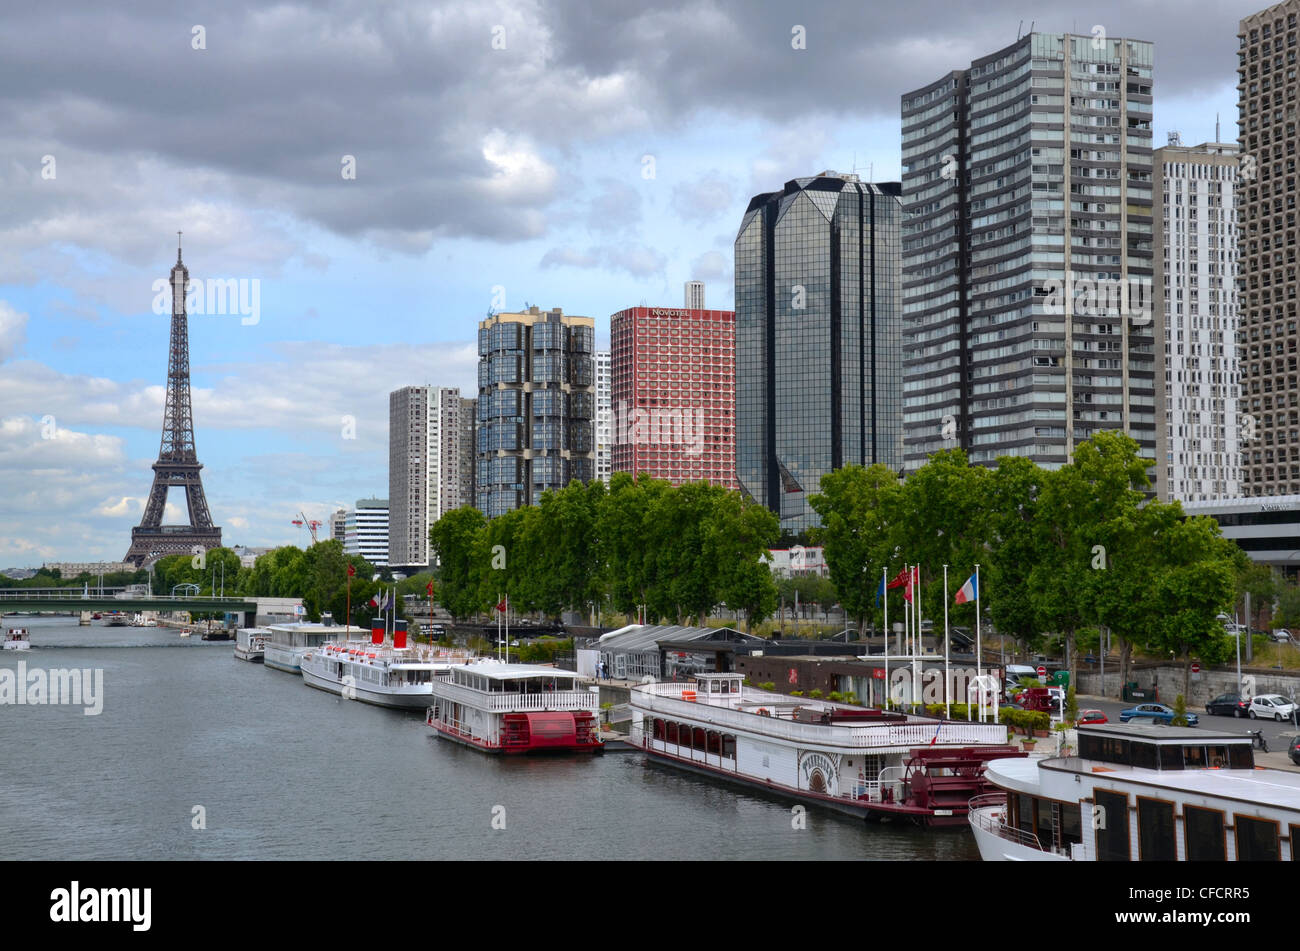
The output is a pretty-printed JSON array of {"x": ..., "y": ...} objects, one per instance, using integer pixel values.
[{"x": 77, "y": 600}]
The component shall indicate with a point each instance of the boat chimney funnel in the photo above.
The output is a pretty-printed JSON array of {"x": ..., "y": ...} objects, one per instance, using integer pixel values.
[
  {"x": 399, "y": 633},
  {"x": 377, "y": 628}
]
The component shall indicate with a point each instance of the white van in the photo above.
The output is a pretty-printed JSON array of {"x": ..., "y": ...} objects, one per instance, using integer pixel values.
[{"x": 1015, "y": 673}]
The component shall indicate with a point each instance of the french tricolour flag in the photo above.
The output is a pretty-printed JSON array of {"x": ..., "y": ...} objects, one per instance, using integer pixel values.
[{"x": 969, "y": 591}]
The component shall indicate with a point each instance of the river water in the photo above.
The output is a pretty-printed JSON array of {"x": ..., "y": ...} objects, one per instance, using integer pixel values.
[{"x": 196, "y": 755}]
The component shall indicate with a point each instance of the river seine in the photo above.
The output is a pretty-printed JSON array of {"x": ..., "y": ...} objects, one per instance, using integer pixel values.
[{"x": 196, "y": 755}]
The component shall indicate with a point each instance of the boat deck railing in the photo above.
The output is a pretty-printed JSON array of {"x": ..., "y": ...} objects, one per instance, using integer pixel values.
[
  {"x": 757, "y": 711},
  {"x": 513, "y": 702},
  {"x": 989, "y": 813}
]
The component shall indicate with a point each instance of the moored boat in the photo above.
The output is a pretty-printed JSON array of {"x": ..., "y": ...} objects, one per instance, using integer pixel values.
[
  {"x": 515, "y": 708},
  {"x": 388, "y": 675},
  {"x": 17, "y": 639},
  {"x": 1140, "y": 792},
  {"x": 250, "y": 644},
  {"x": 864, "y": 762},
  {"x": 288, "y": 642}
]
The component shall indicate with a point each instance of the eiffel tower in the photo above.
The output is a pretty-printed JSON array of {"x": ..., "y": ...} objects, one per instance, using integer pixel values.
[{"x": 178, "y": 464}]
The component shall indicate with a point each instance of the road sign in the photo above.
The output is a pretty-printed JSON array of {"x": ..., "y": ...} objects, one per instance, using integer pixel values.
[
  {"x": 1042, "y": 672},
  {"x": 1090, "y": 659},
  {"x": 1196, "y": 668}
]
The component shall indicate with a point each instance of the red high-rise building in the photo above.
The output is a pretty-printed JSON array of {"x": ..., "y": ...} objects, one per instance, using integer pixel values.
[{"x": 673, "y": 393}]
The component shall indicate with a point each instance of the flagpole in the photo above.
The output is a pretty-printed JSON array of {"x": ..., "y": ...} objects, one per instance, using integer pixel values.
[
  {"x": 507, "y": 627},
  {"x": 499, "y": 625},
  {"x": 884, "y": 580},
  {"x": 947, "y": 701},
  {"x": 918, "y": 693},
  {"x": 979, "y": 644}
]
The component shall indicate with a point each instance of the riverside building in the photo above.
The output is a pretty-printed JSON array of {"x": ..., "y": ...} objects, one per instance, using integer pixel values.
[
  {"x": 536, "y": 406},
  {"x": 1266, "y": 134},
  {"x": 673, "y": 393},
  {"x": 1028, "y": 251},
  {"x": 1198, "y": 445},
  {"x": 818, "y": 335},
  {"x": 424, "y": 467}
]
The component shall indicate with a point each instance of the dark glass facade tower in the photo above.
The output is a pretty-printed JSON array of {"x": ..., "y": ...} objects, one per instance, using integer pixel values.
[
  {"x": 818, "y": 330},
  {"x": 1027, "y": 251},
  {"x": 536, "y": 407}
]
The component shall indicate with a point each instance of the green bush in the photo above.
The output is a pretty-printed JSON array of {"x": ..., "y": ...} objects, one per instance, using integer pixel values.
[
  {"x": 796, "y": 693},
  {"x": 835, "y": 697},
  {"x": 769, "y": 686},
  {"x": 815, "y": 694},
  {"x": 1180, "y": 711}
]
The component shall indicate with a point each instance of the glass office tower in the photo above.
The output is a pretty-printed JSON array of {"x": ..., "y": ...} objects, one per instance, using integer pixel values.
[{"x": 818, "y": 324}]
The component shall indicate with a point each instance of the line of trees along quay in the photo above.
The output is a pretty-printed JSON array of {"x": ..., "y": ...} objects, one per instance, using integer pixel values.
[
  {"x": 675, "y": 551},
  {"x": 317, "y": 575},
  {"x": 1060, "y": 551}
]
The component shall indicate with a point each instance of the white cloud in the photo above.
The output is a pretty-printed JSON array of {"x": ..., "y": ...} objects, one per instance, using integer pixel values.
[
  {"x": 13, "y": 331},
  {"x": 124, "y": 507},
  {"x": 703, "y": 200}
]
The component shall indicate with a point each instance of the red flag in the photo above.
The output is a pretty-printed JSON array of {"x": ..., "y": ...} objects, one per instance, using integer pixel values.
[
  {"x": 907, "y": 587},
  {"x": 899, "y": 580},
  {"x": 501, "y": 605},
  {"x": 431, "y": 589},
  {"x": 351, "y": 571}
]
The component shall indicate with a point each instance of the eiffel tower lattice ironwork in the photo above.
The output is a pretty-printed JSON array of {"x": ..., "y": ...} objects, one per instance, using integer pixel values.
[{"x": 178, "y": 464}]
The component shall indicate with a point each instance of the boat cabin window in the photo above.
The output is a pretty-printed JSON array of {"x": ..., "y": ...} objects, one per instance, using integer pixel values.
[
  {"x": 1156, "y": 841},
  {"x": 1165, "y": 756},
  {"x": 1203, "y": 831},
  {"x": 1257, "y": 839},
  {"x": 1110, "y": 817},
  {"x": 718, "y": 684}
]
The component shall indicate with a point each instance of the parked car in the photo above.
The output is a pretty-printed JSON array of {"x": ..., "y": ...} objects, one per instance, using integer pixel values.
[
  {"x": 1091, "y": 716},
  {"x": 1155, "y": 713},
  {"x": 1281, "y": 635},
  {"x": 1271, "y": 706},
  {"x": 1228, "y": 705},
  {"x": 1294, "y": 749}
]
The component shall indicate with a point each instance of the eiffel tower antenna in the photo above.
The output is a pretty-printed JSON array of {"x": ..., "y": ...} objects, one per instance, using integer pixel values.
[{"x": 178, "y": 463}]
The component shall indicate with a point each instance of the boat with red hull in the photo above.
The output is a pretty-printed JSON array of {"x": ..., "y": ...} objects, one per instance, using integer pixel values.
[
  {"x": 515, "y": 709},
  {"x": 869, "y": 763}
]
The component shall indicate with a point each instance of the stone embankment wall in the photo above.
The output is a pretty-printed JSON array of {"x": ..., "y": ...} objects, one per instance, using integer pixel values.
[{"x": 1206, "y": 685}]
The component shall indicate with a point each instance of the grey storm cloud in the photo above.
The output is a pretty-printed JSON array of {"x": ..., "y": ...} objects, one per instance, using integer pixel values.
[{"x": 451, "y": 136}]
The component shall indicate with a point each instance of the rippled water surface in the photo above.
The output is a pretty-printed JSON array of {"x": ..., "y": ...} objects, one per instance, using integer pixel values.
[{"x": 283, "y": 771}]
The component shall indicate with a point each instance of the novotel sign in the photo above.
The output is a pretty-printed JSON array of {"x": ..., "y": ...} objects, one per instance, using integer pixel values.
[{"x": 670, "y": 313}]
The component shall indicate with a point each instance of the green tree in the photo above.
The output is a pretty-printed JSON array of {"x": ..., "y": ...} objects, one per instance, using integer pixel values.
[
  {"x": 1085, "y": 510},
  {"x": 858, "y": 508},
  {"x": 1010, "y": 526},
  {"x": 452, "y": 541},
  {"x": 1194, "y": 577},
  {"x": 738, "y": 541}
]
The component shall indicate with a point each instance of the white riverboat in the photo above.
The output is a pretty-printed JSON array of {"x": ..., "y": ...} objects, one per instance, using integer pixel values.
[
  {"x": 860, "y": 761},
  {"x": 250, "y": 643},
  {"x": 387, "y": 676},
  {"x": 17, "y": 640},
  {"x": 515, "y": 708},
  {"x": 288, "y": 642},
  {"x": 1140, "y": 792}
]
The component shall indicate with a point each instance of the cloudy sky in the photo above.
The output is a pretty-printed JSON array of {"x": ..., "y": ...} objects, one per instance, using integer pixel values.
[{"x": 561, "y": 154}]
